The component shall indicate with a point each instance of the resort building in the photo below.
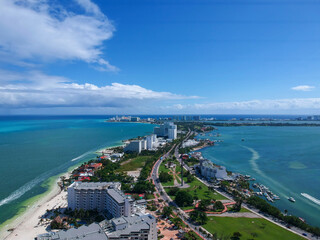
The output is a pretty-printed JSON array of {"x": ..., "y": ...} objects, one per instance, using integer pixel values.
[
  {"x": 211, "y": 172},
  {"x": 134, "y": 146},
  {"x": 168, "y": 129},
  {"x": 102, "y": 196},
  {"x": 124, "y": 228},
  {"x": 151, "y": 140},
  {"x": 189, "y": 143}
]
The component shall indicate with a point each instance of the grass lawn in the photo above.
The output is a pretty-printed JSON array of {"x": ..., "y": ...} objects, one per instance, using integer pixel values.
[
  {"x": 250, "y": 228},
  {"x": 199, "y": 189},
  {"x": 202, "y": 191},
  {"x": 163, "y": 168},
  {"x": 244, "y": 210},
  {"x": 134, "y": 164}
]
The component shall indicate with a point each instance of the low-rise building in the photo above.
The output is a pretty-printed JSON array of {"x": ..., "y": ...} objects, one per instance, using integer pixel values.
[
  {"x": 210, "y": 172},
  {"x": 124, "y": 228}
]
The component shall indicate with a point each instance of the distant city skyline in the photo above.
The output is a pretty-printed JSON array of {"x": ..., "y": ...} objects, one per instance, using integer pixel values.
[{"x": 159, "y": 57}]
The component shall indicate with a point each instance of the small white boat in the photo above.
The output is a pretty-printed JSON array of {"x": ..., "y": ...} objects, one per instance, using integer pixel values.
[{"x": 291, "y": 199}]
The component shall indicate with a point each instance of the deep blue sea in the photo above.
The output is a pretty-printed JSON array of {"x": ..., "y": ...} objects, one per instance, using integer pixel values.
[
  {"x": 285, "y": 159},
  {"x": 33, "y": 149}
]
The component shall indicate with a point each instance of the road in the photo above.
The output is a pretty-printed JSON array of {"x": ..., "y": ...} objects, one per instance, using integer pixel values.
[{"x": 164, "y": 195}]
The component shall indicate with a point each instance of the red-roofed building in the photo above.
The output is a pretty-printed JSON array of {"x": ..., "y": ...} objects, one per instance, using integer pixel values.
[
  {"x": 185, "y": 156},
  {"x": 84, "y": 178},
  {"x": 96, "y": 166}
]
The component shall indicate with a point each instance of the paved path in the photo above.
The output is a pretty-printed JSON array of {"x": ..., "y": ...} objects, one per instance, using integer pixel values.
[{"x": 236, "y": 215}]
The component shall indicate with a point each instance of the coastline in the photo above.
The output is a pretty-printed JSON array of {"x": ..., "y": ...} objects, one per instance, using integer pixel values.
[
  {"x": 32, "y": 206},
  {"x": 25, "y": 222}
]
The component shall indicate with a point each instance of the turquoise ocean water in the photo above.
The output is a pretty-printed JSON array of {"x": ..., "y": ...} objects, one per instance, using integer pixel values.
[
  {"x": 33, "y": 150},
  {"x": 285, "y": 159}
]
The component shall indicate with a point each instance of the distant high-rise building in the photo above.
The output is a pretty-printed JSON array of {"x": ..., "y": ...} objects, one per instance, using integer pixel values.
[
  {"x": 134, "y": 146},
  {"x": 151, "y": 139},
  {"x": 168, "y": 129},
  {"x": 196, "y": 118},
  {"x": 135, "y": 119}
]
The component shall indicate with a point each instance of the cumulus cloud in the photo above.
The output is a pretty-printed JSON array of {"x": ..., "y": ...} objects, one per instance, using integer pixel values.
[
  {"x": 276, "y": 105},
  {"x": 35, "y": 89},
  {"x": 33, "y": 30},
  {"x": 304, "y": 88}
]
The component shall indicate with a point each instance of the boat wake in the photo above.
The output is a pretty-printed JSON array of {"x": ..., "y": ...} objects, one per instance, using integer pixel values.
[
  {"x": 81, "y": 156},
  {"x": 255, "y": 167},
  {"x": 25, "y": 188},
  {"x": 253, "y": 161},
  {"x": 313, "y": 199},
  {"x": 22, "y": 190}
]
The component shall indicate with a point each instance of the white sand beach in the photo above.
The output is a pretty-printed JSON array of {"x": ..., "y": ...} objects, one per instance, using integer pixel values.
[{"x": 28, "y": 225}]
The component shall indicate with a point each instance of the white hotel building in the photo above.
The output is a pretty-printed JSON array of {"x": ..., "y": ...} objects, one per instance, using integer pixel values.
[{"x": 102, "y": 196}]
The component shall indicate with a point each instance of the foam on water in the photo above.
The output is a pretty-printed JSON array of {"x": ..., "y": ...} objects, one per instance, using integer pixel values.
[
  {"x": 255, "y": 167},
  {"x": 285, "y": 192},
  {"x": 28, "y": 186},
  {"x": 313, "y": 199},
  {"x": 22, "y": 190},
  {"x": 81, "y": 156}
]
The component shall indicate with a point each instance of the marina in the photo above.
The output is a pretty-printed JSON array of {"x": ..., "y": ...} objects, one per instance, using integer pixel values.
[{"x": 265, "y": 191}]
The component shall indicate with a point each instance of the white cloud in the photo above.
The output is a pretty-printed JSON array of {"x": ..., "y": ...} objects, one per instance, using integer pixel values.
[
  {"x": 40, "y": 30},
  {"x": 254, "y": 106},
  {"x": 304, "y": 88},
  {"x": 35, "y": 90}
]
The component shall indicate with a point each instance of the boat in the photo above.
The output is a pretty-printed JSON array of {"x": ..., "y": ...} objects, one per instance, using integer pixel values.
[
  {"x": 291, "y": 199},
  {"x": 275, "y": 197}
]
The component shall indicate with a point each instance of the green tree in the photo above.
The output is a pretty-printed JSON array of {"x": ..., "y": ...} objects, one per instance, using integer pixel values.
[
  {"x": 167, "y": 211},
  {"x": 177, "y": 222},
  {"x": 236, "y": 236},
  {"x": 218, "y": 206},
  {"x": 183, "y": 199},
  {"x": 199, "y": 217},
  {"x": 203, "y": 205},
  {"x": 165, "y": 177}
]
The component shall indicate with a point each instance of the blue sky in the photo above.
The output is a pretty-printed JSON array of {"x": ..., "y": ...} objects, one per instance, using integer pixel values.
[{"x": 140, "y": 57}]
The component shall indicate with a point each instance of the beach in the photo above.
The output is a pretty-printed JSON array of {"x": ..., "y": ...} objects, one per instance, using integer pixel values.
[
  {"x": 40, "y": 150},
  {"x": 27, "y": 226}
]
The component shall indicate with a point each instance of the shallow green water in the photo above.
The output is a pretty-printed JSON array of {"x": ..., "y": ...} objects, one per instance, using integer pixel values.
[
  {"x": 32, "y": 151},
  {"x": 285, "y": 159}
]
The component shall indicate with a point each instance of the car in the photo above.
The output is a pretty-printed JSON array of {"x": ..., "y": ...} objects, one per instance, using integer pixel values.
[{"x": 304, "y": 234}]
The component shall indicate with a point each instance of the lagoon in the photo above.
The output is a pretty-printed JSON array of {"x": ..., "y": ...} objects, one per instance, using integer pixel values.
[{"x": 285, "y": 159}]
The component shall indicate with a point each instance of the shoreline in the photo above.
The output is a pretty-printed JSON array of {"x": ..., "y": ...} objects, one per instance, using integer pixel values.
[
  {"x": 31, "y": 209},
  {"x": 26, "y": 214}
]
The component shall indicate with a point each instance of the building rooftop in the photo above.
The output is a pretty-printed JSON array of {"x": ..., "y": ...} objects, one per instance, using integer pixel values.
[
  {"x": 91, "y": 232},
  {"x": 95, "y": 185},
  {"x": 117, "y": 195}
]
